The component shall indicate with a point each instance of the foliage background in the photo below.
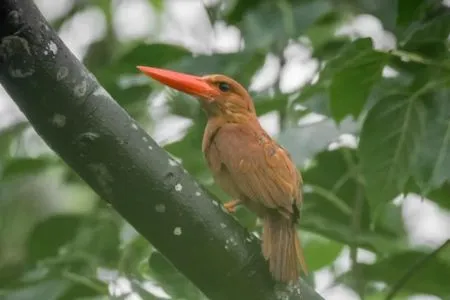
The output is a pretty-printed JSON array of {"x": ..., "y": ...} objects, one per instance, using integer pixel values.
[{"x": 356, "y": 90}]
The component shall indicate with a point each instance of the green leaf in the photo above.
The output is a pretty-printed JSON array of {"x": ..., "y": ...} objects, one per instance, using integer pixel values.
[
  {"x": 433, "y": 160},
  {"x": 241, "y": 66},
  {"x": 50, "y": 235},
  {"x": 133, "y": 254},
  {"x": 346, "y": 81},
  {"x": 240, "y": 9},
  {"x": 332, "y": 187},
  {"x": 428, "y": 38},
  {"x": 171, "y": 280},
  {"x": 305, "y": 141},
  {"x": 265, "y": 104},
  {"x": 153, "y": 55},
  {"x": 157, "y": 4},
  {"x": 385, "y": 10},
  {"x": 355, "y": 70},
  {"x": 410, "y": 10},
  {"x": 189, "y": 148},
  {"x": 272, "y": 24},
  {"x": 8, "y": 134},
  {"x": 430, "y": 279},
  {"x": 315, "y": 97},
  {"x": 320, "y": 252},
  {"x": 25, "y": 166},
  {"x": 48, "y": 290},
  {"x": 440, "y": 196},
  {"x": 389, "y": 138}
]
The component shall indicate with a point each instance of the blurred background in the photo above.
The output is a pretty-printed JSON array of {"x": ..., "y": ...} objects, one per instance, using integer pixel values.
[{"x": 58, "y": 240}]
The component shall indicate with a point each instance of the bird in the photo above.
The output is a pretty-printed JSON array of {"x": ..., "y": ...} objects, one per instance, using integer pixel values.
[{"x": 247, "y": 164}]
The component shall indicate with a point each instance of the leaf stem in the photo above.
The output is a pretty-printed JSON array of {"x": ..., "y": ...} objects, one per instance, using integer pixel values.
[
  {"x": 414, "y": 57},
  {"x": 412, "y": 270},
  {"x": 338, "y": 202},
  {"x": 84, "y": 281},
  {"x": 356, "y": 229}
]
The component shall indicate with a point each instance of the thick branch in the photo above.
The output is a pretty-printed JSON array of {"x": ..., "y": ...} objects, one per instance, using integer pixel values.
[{"x": 104, "y": 145}]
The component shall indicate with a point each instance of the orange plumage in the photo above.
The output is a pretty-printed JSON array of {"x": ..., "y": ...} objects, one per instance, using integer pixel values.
[{"x": 248, "y": 165}]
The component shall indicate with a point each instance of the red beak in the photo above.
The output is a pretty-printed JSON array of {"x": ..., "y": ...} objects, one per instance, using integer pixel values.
[{"x": 190, "y": 84}]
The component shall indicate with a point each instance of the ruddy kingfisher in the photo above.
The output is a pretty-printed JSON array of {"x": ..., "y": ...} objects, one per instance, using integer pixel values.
[{"x": 247, "y": 164}]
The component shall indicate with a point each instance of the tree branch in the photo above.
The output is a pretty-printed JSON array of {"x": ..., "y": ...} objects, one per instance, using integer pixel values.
[{"x": 82, "y": 123}]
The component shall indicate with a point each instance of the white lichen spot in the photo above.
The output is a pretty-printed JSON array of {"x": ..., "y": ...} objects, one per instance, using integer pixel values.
[
  {"x": 86, "y": 137},
  {"x": 226, "y": 247},
  {"x": 172, "y": 162},
  {"x": 160, "y": 208},
  {"x": 177, "y": 231},
  {"x": 134, "y": 126},
  {"x": 145, "y": 139},
  {"x": 231, "y": 241},
  {"x": 80, "y": 89},
  {"x": 178, "y": 187},
  {"x": 45, "y": 52},
  {"x": 62, "y": 73},
  {"x": 52, "y": 47},
  {"x": 215, "y": 203},
  {"x": 223, "y": 225},
  {"x": 100, "y": 91},
  {"x": 59, "y": 120},
  {"x": 150, "y": 147},
  {"x": 248, "y": 239},
  {"x": 19, "y": 73},
  {"x": 198, "y": 194}
]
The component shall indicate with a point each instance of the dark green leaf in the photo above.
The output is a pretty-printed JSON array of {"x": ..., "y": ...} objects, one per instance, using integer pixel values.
[
  {"x": 8, "y": 133},
  {"x": 272, "y": 24},
  {"x": 385, "y": 10},
  {"x": 429, "y": 38},
  {"x": 48, "y": 290},
  {"x": 240, "y": 9},
  {"x": 332, "y": 187},
  {"x": 153, "y": 55},
  {"x": 389, "y": 138},
  {"x": 355, "y": 70},
  {"x": 189, "y": 148},
  {"x": 431, "y": 279},
  {"x": 25, "y": 166},
  {"x": 303, "y": 142},
  {"x": 50, "y": 235},
  {"x": 410, "y": 11},
  {"x": 133, "y": 254},
  {"x": 320, "y": 252},
  {"x": 433, "y": 159},
  {"x": 171, "y": 280},
  {"x": 315, "y": 97},
  {"x": 241, "y": 66},
  {"x": 265, "y": 104}
]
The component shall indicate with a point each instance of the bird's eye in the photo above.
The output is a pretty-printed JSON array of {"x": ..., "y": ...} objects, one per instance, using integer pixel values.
[{"x": 224, "y": 87}]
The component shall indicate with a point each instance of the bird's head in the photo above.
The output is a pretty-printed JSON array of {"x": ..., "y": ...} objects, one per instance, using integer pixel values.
[{"x": 219, "y": 95}]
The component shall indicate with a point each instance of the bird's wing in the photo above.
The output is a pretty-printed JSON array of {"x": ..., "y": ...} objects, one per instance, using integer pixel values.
[{"x": 260, "y": 169}]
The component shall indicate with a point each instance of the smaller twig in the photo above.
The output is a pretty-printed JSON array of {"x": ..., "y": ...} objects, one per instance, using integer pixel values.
[
  {"x": 417, "y": 58},
  {"x": 84, "y": 281},
  {"x": 356, "y": 230},
  {"x": 412, "y": 270}
]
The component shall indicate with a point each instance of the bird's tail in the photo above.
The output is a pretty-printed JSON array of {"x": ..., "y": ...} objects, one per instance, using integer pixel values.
[{"x": 281, "y": 247}]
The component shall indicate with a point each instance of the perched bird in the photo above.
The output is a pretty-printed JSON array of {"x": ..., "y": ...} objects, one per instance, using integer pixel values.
[{"x": 247, "y": 164}]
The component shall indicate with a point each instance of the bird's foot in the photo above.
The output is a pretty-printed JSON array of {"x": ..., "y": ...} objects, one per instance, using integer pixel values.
[{"x": 230, "y": 206}]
